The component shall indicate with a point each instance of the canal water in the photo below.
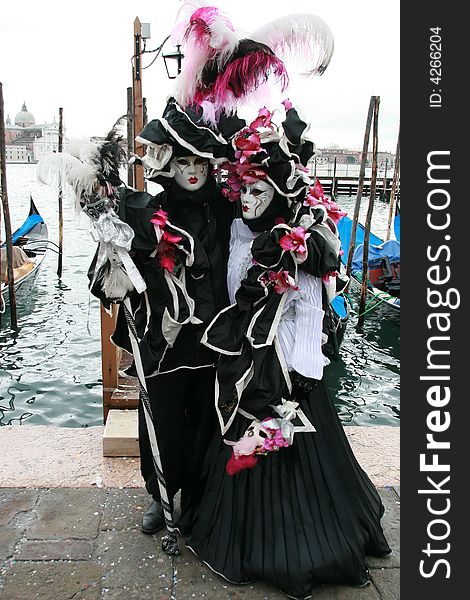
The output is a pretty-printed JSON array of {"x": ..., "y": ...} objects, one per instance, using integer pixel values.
[{"x": 50, "y": 370}]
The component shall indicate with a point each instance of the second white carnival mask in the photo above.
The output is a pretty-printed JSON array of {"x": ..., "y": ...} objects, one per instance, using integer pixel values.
[{"x": 255, "y": 198}]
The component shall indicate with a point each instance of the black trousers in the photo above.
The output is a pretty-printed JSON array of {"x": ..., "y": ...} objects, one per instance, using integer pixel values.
[{"x": 184, "y": 418}]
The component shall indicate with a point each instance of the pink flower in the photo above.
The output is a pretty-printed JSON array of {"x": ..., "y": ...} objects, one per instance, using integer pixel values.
[
  {"x": 326, "y": 276},
  {"x": 248, "y": 140},
  {"x": 234, "y": 182},
  {"x": 334, "y": 211},
  {"x": 295, "y": 240},
  {"x": 249, "y": 173},
  {"x": 282, "y": 281},
  {"x": 171, "y": 238},
  {"x": 287, "y": 104},
  {"x": 311, "y": 201},
  {"x": 263, "y": 119},
  {"x": 166, "y": 250},
  {"x": 274, "y": 441},
  {"x": 231, "y": 195},
  {"x": 317, "y": 191},
  {"x": 316, "y": 196},
  {"x": 167, "y": 262},
  {"x": 236, "y": 464},
  {"x": 159, "y": 218}
]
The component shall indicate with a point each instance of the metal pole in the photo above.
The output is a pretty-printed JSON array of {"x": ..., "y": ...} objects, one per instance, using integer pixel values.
[
  {"x": 370, "y": 210},
  {"x": 6, "y": 216},
  {"x": 396, "y": 173},
  {"x": 60, "y": 199},
  {"x": 360, "y": 186}
]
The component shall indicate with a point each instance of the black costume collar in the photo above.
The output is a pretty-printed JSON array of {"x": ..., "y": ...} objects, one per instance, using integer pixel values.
[{"x": 277, "y": 209}]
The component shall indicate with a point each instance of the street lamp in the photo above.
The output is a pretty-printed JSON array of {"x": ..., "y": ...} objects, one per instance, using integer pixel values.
[{"x": 173, "y": 62}]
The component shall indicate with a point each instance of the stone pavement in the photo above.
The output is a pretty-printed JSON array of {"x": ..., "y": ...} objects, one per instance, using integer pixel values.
[{"x": 86, "y": 544}]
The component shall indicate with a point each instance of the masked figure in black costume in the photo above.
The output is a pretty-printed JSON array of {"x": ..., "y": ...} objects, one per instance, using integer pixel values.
[
  {"x": 180, "y": 248},
  {"x": 282, "y": 497}
]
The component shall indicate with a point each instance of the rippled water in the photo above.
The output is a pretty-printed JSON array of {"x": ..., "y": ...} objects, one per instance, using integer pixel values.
[{"x": 50, "y": 370}]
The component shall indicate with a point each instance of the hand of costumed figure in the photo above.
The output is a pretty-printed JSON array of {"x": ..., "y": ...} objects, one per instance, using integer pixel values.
[
  {"x": 222, "y": 67},
  {"x": 92, "y": 171}
]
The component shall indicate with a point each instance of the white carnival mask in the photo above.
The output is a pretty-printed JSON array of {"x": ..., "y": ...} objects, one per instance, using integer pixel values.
[
  {"x": 190, "y": 171},
  {"x": 255, "y": 198}
]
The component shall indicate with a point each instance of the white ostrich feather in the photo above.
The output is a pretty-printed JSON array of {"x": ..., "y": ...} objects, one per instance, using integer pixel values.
[
  {"x": 302, "y": 37},
  {"x": 82, "y": 148},
  {"x": 60, "y": 168},
  {"x": 116, "y": 283}
]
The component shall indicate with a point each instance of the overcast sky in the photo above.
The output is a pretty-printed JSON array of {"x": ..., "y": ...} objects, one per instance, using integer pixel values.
[{"x": 78, "y": 56}]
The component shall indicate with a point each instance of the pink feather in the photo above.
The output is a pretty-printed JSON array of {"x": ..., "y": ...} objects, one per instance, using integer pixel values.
[{"x": 243, "y": 76}]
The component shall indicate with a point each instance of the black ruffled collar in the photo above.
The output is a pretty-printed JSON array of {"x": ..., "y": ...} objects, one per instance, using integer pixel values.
[{"x": 276, "y": 210}]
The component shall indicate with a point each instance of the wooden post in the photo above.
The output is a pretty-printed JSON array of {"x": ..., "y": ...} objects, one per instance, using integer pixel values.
[
  {"x": 396, "y": 174},
  {"x": 137, "y": 101},
  {"x": 144, "y": 112},
  {"x": 360, "y": 186},
  {"x": 60, "y": 199},
  {"x": 385, "y": 180},
  {"x": 109, "y": 357},
  {"x": 333, "y": 183},
  {"x": 6, "y": 216},
  {"x": 130, "y": 136},
  {"x": 370, "y": 210},
  {"x": 315, "y": 169}
]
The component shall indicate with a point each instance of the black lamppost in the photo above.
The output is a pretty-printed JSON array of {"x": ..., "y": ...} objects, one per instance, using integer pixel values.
[{"x": 173, "y": 62}]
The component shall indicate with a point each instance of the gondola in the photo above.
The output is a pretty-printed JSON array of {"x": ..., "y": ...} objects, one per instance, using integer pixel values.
[
  {"x": 33, "y": 239},
  {"x": 384, "y": 264}
]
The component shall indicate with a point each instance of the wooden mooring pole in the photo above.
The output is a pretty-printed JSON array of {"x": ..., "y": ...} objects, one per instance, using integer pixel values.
[
  {"x": 385, "y": 179},
  {"x": 135, "y": 178},
  {"x": 130, "y": 136},
  {"x": 396, "y": 174},
  {"x": 370, "y": 210},
  {"x": 109, "y": 357},
  {"x": 360, "y": 186},
  {"x": 6, "y": 216},
  {"x": 138, "y": 101},
  {"x": 333, "y": 183},
  {"x": 60, "y": 199}
]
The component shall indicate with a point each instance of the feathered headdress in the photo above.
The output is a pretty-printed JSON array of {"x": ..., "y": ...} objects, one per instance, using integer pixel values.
[
  {"x": 222, "y": 68},
  {"x": 92, "y": 171},
  {"x": 261, "y": 150}
]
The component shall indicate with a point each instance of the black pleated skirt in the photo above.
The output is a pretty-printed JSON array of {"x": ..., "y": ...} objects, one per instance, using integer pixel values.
[{"x": 303, "y": 516}]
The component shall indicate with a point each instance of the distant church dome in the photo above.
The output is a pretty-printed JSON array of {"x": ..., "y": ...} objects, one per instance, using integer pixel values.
[{"x": 24, "y": 118}]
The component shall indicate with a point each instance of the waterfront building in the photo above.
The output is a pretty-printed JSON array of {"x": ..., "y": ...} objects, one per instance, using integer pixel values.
[
  {"x": 344, "y": 156},
  {"x": 26, "y": 141}
]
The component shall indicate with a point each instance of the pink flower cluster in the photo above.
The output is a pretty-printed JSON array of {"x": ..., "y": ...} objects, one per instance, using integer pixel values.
[
  {"x": 281, "y": 280},
  {"x": 247, "y": 144},
  {"x": 166, "y": 248},
  {"x": 271, "y": 443},
  {"x": 274, "y": 441},
  {"x": 316, "y": 196},
  {"x": 295, "y": 241}
]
